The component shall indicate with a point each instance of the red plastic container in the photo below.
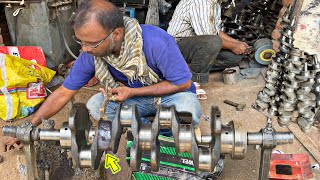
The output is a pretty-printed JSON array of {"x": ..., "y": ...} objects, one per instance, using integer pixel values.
[{"x": 290, "y": 166}]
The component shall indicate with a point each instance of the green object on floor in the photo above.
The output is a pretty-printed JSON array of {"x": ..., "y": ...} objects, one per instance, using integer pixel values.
[
  {"x": 168, "y": 155},
  {"x": 143, "y": 176}
]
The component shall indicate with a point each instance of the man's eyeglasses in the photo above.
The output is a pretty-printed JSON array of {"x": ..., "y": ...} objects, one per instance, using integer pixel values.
[{"x": 91, "y": 46}]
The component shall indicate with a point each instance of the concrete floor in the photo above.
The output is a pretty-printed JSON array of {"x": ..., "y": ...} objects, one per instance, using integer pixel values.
[{"x": 250, "y": 119}]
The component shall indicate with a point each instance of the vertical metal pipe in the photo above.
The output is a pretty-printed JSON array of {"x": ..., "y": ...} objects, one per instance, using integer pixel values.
[
  {"x": 31, "y": 161},
  {"x": 265, "y": 163}
]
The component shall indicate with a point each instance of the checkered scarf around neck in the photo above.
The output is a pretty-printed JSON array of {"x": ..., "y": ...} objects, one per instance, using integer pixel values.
[{"x": 131, "y": 61}]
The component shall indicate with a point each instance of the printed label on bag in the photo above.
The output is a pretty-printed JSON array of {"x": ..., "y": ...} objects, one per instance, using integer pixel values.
[
  {"x": 14, "y": 51},
  {"x": 36, "y": 90}
]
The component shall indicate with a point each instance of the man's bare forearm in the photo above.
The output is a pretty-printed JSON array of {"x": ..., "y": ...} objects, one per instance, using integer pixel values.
[
  {"x": 53, "y": 104},
  {"x": 226, "y": 37},
  {"x": 160, "y": 89},
  {"x": 227, "y": 41}
]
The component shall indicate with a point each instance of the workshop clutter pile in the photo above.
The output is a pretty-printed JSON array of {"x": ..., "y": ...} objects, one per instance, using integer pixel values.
[
  {"x": 253, "y": 23},
  {"x": 292, "y": 81},
  {"x": 256, "y": 20},
  {"x": 22, "y": 85}
]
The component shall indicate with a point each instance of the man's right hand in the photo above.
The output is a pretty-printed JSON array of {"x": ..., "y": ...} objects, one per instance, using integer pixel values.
[
  {"x": 9, "y": 144},
  {"x": 240, "y": 48}
]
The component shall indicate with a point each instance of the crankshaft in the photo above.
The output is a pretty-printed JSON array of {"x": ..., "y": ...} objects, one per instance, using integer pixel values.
[{"x": 88, "y": 143}]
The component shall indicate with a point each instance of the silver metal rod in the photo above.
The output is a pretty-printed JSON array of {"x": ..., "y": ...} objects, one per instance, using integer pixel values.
[
  {"x": 50, "y": 135},
  {"x": 9, "y": 131},
  {"x": 255, "y": 138},
  {"x": 284, "y": 138},
  {"x": 145, "y": 135},
  {"x": 85, "y": 158},
  {"x": 206, "y": 139}
]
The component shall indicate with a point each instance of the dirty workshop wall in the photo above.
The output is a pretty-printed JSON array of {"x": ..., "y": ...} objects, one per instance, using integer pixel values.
[{"x": 307, "y": 34}]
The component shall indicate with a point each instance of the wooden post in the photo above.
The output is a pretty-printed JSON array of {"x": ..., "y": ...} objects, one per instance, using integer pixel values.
[{"x": 153, "y": 13}]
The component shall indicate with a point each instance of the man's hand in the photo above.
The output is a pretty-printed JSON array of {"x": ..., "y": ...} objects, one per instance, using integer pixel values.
[
  {"x": 121, "y": 93},
  {"x": 240, "y": 48},
  {"x": 9, "y": 144}
]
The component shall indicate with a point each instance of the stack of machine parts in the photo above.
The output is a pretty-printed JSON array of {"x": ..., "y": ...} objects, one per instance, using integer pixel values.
[
  {"x": 255, "y": 21},
  {"x": 292, "y": 79}
]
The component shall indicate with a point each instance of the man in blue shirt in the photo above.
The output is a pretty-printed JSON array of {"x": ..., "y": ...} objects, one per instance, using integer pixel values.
[{"x": 116, "y": 49}]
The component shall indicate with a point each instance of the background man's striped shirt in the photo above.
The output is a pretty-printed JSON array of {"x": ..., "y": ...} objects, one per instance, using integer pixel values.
[{"x": 195, "y": 17}]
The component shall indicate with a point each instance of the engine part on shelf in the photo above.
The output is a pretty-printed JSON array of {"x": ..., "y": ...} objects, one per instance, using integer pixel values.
[
  {"x": 263, "y": 51},
  {"x": 88, "y": 143}
]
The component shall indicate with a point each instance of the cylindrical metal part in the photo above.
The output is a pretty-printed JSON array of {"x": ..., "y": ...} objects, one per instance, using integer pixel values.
[
  {"x": 278, "y": 138},
  {"x": 233, "y": 141},
  {"x": 205, "y": 158},
  {"x": 240, "y": 144},
  {"x": 227, "y": 140},
  {"x": 255, "y": 138},
  {"x": 304, "y": 124},
  {"x": 85, "y": 158},
  {"x": 283, "y": 138},
  {"x": 126, "y": 116},
  {"x": 50, "y": 135},
  {"x": 206, "y": 139},
  {"x": 145, "y": 137},
  {"x": 9, "y": 131},
  {"x": 229, "y": 76},
  {"x": 165, "y": 116},
  {"x": 65, "y": 136},
  {"x": 185, "y": 138}
]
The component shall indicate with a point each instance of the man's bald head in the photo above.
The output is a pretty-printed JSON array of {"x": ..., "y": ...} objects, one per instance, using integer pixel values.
[{"x": 102, "y": 11}]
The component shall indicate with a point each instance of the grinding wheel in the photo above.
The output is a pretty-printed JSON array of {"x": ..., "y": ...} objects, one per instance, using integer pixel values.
[{"x": 263, "y": 51}]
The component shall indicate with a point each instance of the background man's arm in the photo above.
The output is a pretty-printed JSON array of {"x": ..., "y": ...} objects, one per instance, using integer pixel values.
[
  {"x": 237, "y": 47},
  {"x": 53, "y": 104}
]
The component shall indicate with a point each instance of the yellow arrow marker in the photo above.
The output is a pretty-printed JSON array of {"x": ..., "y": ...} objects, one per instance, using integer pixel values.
[{"x": 112, "y": 163}]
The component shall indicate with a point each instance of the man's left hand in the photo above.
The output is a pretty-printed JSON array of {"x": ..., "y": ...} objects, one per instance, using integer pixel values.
[{"x": 120, "y": 94}]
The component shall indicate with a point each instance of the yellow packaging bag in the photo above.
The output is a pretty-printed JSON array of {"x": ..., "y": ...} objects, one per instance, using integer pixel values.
[{"x": 22, "y": 86}]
